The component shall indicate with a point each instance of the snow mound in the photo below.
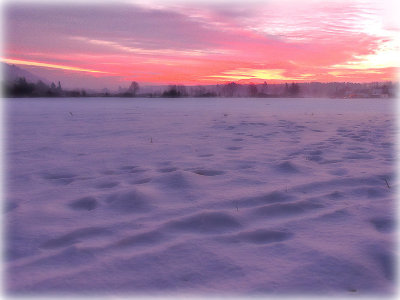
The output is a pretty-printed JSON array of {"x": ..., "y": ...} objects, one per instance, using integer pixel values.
[
  {"x": 132, "y": 201},
  {"x": 206, "y": 222},
  {"x": 85, "y": 203}
]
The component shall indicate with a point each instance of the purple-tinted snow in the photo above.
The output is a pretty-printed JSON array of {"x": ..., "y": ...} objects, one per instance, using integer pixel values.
[{"x": 237, "y": 196}]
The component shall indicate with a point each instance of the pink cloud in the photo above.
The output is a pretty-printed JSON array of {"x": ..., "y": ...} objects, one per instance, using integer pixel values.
[{"x": 191, "y": 44}]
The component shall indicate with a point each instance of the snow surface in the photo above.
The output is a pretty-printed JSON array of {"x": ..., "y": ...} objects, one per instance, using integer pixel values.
[{"x": 236, "y": 196}]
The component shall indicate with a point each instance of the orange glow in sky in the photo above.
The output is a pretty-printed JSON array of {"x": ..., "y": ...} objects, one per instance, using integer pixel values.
[{"x": 204, "y": 43}]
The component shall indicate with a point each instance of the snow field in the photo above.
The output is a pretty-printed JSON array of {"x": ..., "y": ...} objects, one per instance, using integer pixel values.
[{"x": 236, "y": 196}]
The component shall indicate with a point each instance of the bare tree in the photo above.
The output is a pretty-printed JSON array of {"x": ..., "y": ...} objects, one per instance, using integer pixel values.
[
  {"x": 229, "y": 89},
  {"x": 133, "y": 88},
  {"x": 252, "y": 90}
]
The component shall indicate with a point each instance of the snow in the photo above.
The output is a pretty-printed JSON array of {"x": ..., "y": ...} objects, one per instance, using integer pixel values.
[{"x": 200, "y": 196}]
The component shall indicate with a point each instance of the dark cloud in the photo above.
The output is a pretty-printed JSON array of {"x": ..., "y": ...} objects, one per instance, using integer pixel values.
[{"x": 130, "y": 25}]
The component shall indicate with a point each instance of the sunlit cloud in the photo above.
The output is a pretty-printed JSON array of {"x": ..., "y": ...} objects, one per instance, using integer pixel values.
[
  {"x": 141, "y": 51},
  {"x": 247, "y": 73},
  {"x": 46, "y": 65},
  {"x": 386, "y": 55}
]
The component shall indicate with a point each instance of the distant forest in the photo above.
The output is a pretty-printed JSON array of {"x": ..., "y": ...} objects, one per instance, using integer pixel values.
[{"x": 20, "y": 87}]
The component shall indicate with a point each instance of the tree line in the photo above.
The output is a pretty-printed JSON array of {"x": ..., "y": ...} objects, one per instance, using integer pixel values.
[{"x": 21, "y": 88}]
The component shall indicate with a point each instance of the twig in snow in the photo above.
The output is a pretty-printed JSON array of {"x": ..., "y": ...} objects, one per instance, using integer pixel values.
[{"x": 387, "y": 183}]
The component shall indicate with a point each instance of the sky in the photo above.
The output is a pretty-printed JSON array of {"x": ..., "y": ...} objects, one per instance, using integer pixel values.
[{"x": 107, "y": 44}]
